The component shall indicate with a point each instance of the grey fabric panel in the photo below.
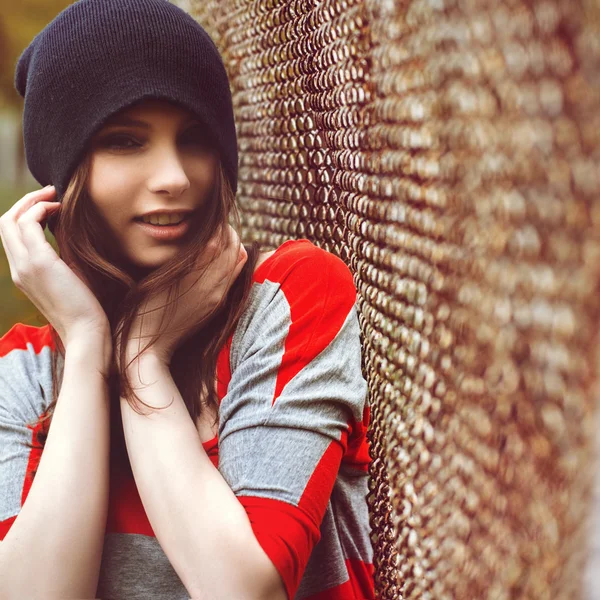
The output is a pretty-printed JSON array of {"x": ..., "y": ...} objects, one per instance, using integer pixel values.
[
  {"x": 252, "y": 360},
  {"x": 25, "y": 392},
  {"x": 344, "y": 535},
  {"x": 135, "y": 567},
  {"x": 272, "y": 450},
  {"x": 262, "y": 305},
  {"x": 326, "y": 567},
  {"x": 349, "y": 504}
]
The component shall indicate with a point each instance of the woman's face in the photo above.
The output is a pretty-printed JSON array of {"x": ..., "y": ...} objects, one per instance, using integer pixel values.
[{"x": 162, "y": 162}]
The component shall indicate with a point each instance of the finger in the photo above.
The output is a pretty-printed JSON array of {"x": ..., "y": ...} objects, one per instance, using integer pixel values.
[
  {"x": 9, "y": 254},
  {"x": 234, "y": 238},
  {"x": 215, "y": 254},
  {"x": 238, "y": 250},
  {"x": 28, "y": 200},
  {"x": 231, "y": 251},
  {"x": 221, "y": 253},
  {"x": 13, "y": 243},
  {"x": 228, "y": 237},
  {"x": 32, "y": 233},
  {"x": 214, "y": 246},
  {"x": 235, "y": 264},
  {"x": 230, "y": 240},
  {"x": 10, "y": 233},
  {"x": 14, "y": 240},
  {"x": 243, "y": 259}
]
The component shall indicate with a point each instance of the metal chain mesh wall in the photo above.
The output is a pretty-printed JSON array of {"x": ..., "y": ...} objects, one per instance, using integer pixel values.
[{"x": 448, "y": 151}]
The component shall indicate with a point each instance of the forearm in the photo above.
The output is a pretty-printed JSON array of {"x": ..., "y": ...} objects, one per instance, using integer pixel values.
[
  {"x": 54, "y": 547},
  {"x": 196, "y": 517}
]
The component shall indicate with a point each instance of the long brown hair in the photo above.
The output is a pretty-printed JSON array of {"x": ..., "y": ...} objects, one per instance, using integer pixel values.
[{"x": 85, "y": 247}]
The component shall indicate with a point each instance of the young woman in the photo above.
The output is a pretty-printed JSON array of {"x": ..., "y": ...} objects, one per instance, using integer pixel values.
[{"x": 192, "y": 421}]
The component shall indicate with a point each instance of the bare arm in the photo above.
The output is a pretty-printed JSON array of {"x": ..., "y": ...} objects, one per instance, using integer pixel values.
[
  {"x": 54, "y": 547},
  {"x": 198, "y": 521}
]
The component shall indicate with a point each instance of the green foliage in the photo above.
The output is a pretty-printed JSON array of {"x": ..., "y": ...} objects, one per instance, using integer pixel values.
[
  {"x": 16, "y": 306},
  {"x": 20, "y": 22}
]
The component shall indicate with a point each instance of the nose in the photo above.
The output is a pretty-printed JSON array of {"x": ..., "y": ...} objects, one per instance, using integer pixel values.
[{"x": 168, "y": 174}]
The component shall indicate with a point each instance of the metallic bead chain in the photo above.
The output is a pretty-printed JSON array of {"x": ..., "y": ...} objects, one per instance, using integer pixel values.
[{"x": 448, "y": 153}]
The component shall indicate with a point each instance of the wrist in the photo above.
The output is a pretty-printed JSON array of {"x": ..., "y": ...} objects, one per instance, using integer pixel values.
[
  {"x": 133, "y": 350},
  {"x": 95, "y": 349},
  {"x": 144, "y": 370},
  {"x": 147, "y": 359},
  {"x": 97, "y": 331}
]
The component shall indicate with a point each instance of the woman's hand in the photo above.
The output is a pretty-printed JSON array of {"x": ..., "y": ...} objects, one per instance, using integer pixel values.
[
  {"x": 36, "y": 269},
  {"x": 225, "y": 258}
]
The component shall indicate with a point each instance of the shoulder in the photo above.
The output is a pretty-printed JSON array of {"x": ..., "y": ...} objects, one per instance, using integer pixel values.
[
  {"x": 25, "y": 371},
  {"x": 299, "y": 331},
  {"x": 302, "y": 296},
  {"x": 299, "y": 268},
  {"x": 26, "y": 337}
]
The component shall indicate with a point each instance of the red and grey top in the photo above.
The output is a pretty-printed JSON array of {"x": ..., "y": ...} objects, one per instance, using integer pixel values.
[{"x": 291, "y": 441}]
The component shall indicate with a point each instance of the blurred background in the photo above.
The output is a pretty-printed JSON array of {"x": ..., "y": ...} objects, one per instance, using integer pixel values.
[{"x": 20, "y": 22}]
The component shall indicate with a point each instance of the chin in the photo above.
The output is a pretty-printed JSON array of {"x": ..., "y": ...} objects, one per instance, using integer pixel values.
[{"x": 140, "y": 267}]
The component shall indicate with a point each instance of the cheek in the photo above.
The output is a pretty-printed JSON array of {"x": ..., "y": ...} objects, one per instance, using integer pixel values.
[
  {"x": 109, "y": 186},
  {"x": 204, "y": 171}
]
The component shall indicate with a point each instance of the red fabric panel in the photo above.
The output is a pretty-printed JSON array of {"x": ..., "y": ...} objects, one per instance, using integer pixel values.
[
  {"x": 320, "y": 485},
  {"x": 126, "y": 512},
  {"x": 357, "y": 454},
  {"x": 288, "y": 534},
  {"x": 360, "y": 585},
  {"x": 309, "y": 303},
  {"x": 17, "y": 337},
  {"x": 35, "y": 454},
  {"x": 285, "y": 533},
  {"x": 224, "y": 369},
  {"x": 5, "y": 526},
  {"x": 361, "y": 578},
  {"x": 212, "y": 450}
]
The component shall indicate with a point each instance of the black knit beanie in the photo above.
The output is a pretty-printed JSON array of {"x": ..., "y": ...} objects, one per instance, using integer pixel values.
[{"x": 100, "y": 56}]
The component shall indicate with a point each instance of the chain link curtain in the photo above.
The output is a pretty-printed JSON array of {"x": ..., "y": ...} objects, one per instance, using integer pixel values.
[{"x": 447, "y": 151}]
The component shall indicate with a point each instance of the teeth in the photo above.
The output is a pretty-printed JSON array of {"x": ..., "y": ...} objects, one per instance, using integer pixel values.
[{"x": 163, "y": 219}]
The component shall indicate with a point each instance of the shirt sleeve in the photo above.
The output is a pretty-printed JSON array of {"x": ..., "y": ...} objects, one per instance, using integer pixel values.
[
  {"x": 25, "y": 385},
  {"x": 296, "y": 388}
]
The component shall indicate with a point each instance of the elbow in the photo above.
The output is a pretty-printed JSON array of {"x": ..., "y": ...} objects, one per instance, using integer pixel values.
[
  {"x": 272, "y": 586},
  {"x": 273, "y": 590},
  {"x": 259, "y": 580}
]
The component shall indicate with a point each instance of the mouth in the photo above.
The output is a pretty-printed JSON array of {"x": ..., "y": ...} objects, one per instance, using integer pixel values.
[
  {"x": 186, "y": 217},
  {"x": 170, "y": 231}
]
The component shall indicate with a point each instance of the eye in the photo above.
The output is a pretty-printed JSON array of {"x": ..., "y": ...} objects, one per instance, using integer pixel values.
[{"x": 119, "y": 142}]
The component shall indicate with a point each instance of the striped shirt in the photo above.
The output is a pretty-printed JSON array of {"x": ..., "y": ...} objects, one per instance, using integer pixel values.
[{"x": 291, "y": 440}]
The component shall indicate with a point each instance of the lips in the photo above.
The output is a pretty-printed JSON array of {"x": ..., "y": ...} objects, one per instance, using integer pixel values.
[
  {"x": 185, "y": 218},
  {"x": 165, "y": 232}
]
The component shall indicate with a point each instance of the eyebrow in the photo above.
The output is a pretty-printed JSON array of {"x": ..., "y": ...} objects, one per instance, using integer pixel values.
[{"x": 128, "y": 121}]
